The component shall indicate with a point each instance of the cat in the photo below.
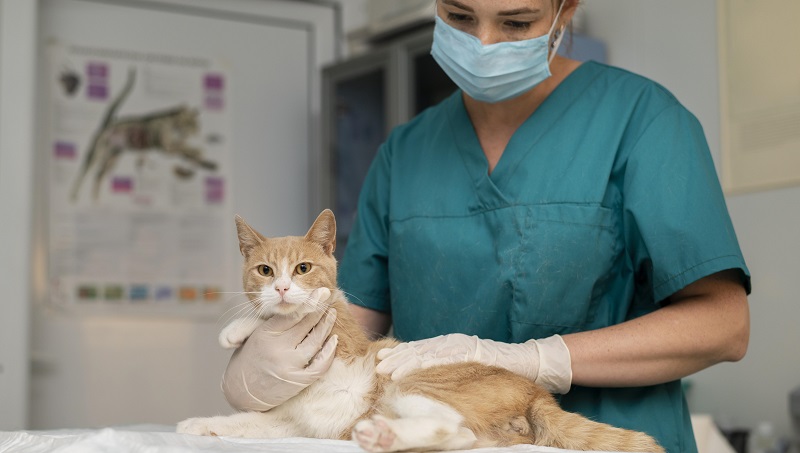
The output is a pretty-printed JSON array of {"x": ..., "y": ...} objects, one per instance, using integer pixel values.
[
  {"x": 446, "y": 407},
  {"x": 165, "y": 130}
]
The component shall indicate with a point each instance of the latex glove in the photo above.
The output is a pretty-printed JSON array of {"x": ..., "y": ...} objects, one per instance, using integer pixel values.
[
  {"x": 545, "y": 361},
  {"x": 281, "y": 357}
]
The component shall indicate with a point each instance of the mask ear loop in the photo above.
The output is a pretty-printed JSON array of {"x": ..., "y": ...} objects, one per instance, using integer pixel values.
[{"x": 555, "y": 41}]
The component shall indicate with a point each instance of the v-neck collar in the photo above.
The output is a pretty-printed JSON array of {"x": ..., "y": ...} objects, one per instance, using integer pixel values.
[{"x": 496, "y": 190}]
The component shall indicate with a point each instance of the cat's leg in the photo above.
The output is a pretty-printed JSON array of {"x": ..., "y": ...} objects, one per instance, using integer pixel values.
[
  {"x": 422, "y": 424},
  {"x": 235, "y": 333},
  {"x": 381, "y": 434},
  {"x": 265, "y": 425},
  {"x": 106, "y": 162}
]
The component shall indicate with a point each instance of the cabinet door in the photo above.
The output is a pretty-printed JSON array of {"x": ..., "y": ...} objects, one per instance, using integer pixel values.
[
  {"x": 363, "y": 99},
  {"x": 429, "y": 84},
  {"x": 356, "y": 106}
]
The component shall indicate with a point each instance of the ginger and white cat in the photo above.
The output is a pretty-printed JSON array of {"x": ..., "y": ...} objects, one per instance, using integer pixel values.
[{"x": 444, "y": 407}]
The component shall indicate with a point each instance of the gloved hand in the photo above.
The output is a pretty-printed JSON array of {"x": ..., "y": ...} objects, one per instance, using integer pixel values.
[
  {"x": 545, "y": 361},
  {"x": 282, "y": 357}
]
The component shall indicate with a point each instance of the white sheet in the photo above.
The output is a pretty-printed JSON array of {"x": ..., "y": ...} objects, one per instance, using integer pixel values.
[
  {"x": 162, "y": 439},
  {"x": 709, "y": 437}
]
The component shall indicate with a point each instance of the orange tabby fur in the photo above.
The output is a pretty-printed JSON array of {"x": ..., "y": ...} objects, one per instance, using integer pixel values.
[{"x": 498, "y": 406}]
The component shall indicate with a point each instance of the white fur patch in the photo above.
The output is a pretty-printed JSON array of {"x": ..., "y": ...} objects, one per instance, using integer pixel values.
[
  {"x": 412, "y": 406},
  {"x": 423, "y": 424},
  {"x": 333, "y": 403}
]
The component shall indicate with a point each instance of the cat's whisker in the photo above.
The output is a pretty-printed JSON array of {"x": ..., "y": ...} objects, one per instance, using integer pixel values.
[
  {"x": 351, "y": 295},
  {"x": 253, "y": 315},
  {"x": 235, "y": 306},
  {"x": 327, "y": 308},
  {"x": 229, "y": 299},
  {"x": 233, "y": 316},
  {"x": 242, "y": 307},
  {"x": 250, "y": 309},
  {"x": 255, "y": 318},
  {"x": 259, "y": 303},
  {"x": 347, "y": 294},
  {"x": 313, "y": 304}
]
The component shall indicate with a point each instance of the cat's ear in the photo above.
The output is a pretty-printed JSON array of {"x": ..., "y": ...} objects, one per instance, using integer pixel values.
[
  {"x": 248, "y": 237},
  {"x": 323, "y": 231}
]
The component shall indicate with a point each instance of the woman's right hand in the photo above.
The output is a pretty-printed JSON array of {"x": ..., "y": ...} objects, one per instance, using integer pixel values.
[{"x": 280, "y": 359}]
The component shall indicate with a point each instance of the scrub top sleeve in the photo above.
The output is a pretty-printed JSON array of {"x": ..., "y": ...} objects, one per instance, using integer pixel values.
[
  {"x": 677, "y": 225},
  {"x": 363, "y": 272}
]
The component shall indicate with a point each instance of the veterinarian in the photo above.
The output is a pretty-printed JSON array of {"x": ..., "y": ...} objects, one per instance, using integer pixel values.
[{"x": 559, "y": 219}]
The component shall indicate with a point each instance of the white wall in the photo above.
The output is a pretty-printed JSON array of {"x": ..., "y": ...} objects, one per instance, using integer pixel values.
[
  {"x": 17, "y": 41},
  {"x": 675, "y": 43},
  {"x": 98, "y": 370},
  {"x": 354, "y": 14}
]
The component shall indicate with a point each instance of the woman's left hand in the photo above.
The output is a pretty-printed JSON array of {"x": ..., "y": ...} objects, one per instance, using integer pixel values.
[{"x": 546, "y": 361}]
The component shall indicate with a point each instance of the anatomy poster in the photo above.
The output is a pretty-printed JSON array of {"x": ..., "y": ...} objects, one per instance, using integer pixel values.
[{"x": 138, "y": 146}]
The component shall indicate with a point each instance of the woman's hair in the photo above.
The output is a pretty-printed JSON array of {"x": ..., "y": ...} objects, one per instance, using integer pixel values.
[{"x": 557, "y": 3}]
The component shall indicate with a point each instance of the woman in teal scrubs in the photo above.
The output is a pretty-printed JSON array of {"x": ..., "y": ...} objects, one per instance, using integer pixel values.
[
  {"x": 586, "y": 207},
  {"x": 563, "y": 218}
]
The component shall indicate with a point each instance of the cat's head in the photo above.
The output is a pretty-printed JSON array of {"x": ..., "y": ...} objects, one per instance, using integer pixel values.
[
  {"x": 279, "y": 274},
  {"x": 187, "y": 120}
]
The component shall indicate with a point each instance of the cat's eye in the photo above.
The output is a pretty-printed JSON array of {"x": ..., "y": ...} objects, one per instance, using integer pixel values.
[
  {"x": 302, "y": 268},
  {"x": 265, "y": 270}
]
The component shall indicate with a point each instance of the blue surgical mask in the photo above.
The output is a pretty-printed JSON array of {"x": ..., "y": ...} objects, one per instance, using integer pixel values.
[{"x": 494, "y": 72}]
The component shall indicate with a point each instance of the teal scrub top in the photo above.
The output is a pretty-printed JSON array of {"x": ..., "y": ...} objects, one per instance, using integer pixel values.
[{"x": 604, "y": 203}]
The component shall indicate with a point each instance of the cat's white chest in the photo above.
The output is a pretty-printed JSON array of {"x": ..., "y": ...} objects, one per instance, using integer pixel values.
[{"x": 332, "y": 404}]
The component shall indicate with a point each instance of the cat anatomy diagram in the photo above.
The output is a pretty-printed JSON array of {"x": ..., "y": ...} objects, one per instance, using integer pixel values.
[
  {"x": 139, "y": 189},
  {"x": 166, "y": 131}
]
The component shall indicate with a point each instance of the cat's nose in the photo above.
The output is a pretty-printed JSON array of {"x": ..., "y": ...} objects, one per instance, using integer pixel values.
[{"x": 282, "y": 285}]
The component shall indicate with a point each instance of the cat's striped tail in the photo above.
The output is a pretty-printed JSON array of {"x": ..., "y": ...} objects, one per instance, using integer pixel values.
[{"x": 555, "y": 427}]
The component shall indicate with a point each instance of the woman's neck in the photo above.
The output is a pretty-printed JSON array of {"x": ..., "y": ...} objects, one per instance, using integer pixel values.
[{"x": 494, "y": 124}]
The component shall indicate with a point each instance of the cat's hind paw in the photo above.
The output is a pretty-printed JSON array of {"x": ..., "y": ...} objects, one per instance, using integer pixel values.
[
  {"x": 375, "y": 435},
  {"x": 198, "y": 427}
]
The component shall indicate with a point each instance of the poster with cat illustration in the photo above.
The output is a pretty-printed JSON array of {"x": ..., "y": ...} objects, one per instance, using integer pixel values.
[{"x": 139, "y": 196}]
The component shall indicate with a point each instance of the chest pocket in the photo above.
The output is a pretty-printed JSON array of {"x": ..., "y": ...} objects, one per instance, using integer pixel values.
[{"x": 566, "y": 257}]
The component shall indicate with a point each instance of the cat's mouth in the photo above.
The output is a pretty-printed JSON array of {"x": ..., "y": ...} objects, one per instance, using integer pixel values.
[
  {"x": 284, "y": 307},
  {"x": 283, "y": 304}
]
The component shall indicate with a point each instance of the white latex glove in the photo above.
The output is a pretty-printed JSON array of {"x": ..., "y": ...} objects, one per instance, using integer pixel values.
[
  {"x": 281, "y": 357},
  {"x": 545, "y": 361}
]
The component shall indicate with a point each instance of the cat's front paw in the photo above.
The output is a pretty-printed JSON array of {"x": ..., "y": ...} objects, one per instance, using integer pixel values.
[
  {"x": 235, "y": 333},
  {"x": 230, "y": 341},
  {"x": 199, "y": 427}
]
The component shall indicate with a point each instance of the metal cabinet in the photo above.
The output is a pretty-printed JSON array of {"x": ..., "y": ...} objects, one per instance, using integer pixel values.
[{"x": 363, "y": 98}]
